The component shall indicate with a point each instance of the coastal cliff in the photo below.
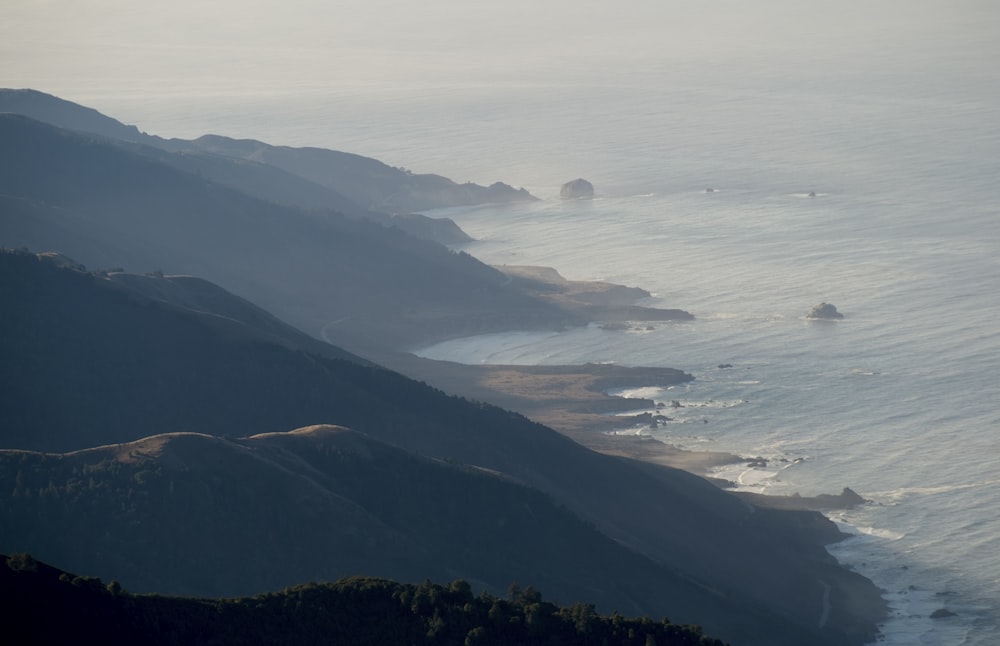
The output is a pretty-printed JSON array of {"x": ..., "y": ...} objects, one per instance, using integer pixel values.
[{"x": 94, "y": 358}]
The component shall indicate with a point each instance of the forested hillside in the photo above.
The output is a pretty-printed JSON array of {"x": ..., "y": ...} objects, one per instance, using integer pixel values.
[{"x": 357, "y": 610}]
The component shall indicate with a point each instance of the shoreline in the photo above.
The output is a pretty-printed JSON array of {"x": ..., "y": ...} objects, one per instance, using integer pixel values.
[
  {"x": 574, "y": 401},
  {"x": 566, "y": 399}
]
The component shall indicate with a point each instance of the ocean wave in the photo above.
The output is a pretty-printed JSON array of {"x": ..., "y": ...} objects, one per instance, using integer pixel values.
[
  {"x": 876, "y": 532},
  {"x": 895, "y": 496}
]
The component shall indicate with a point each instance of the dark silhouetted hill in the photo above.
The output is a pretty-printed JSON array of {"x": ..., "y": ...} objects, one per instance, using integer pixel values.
[
  {"x": 356, "y": 610},
  {"x": 193, "y": 514}
]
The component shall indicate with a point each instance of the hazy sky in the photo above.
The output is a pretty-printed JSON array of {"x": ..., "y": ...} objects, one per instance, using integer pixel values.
[
  {"x": 364, "y": 67},
  {"x": 56, "y": 45}
]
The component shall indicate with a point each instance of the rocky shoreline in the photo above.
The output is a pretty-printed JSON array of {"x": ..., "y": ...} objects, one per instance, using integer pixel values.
[{"x": 574, "y": 400}]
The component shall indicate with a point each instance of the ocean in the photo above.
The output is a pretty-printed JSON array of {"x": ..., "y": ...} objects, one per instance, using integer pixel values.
[
  {"x": 748, "y": 165},
  {"x": 894, "y": 400}
]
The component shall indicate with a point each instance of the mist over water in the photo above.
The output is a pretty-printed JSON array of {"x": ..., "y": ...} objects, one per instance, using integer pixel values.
[{"x": 889, "y": 112}]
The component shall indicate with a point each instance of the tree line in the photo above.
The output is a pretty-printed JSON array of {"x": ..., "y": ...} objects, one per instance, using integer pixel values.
[{"x": 356, "y": 610}]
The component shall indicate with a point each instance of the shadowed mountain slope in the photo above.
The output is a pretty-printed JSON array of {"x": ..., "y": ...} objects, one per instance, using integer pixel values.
[
  {"x": 72, "y": 116},
  {"x": 193, "y": 514},
  {"x": 186, "y": 513},
  {"x": 87, "y": 360}
]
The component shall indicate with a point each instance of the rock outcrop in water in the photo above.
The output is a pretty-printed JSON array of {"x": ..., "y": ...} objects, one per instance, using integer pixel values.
[
  {"x": 578, "y": 189},
  {"x": 824, "y": 311}
]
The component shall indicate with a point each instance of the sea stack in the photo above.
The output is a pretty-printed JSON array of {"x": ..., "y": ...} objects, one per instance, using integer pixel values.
[
  {"x": 578, "y": 189},
  {"x": 824, "y": 311}
]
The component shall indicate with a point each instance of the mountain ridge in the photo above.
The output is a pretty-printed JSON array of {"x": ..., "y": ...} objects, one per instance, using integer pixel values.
[
  {"x": 102, "y": 204},
  {"x": 103, "y": 357},
  {"x": 205, "y": 506},
  {"x": 92, "y": 358},
  {"x": 350, "y": 281},
  {"x": 356, "y": 182}
]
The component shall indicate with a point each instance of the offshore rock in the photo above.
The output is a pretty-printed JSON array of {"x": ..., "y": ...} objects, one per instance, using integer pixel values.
[
  {"x": 578, "y": 189},
  {"x": 824, "y": 311}
]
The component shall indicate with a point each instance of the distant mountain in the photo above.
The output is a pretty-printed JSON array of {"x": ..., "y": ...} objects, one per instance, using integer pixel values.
[
  {"x": 352, "y": 181},
  {"x": 274, "y": 184},
  {"x": 359, "y": 283},
  {"x": 89, "y": 359},
  {"x": 350, "y": 280},
  {"x": 357, "y": 610},
  {"x": 259, "y": 180},
  {"x": 72, "y": 116},
  {"x": 367, "y": 181}
]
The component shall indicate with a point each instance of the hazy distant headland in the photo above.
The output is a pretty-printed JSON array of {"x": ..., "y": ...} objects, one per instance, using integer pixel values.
[
  {"x": 230, "y": 211},
  {"x": 366, "y": 183},
  {"x": 154, "y": 366}
]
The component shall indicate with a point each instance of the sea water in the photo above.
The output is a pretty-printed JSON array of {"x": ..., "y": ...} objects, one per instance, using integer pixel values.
[
  {"x": 884, "y": 203},
  {"x": 853, "y": 155},
  {"x": 894, "y": 401}
]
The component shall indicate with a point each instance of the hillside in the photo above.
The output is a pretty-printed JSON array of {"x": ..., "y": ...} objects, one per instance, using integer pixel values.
[
  {"x": 352, "y": 280},
  {"x": 366, "y": 181},
  {"x": 348, "y": 280},
  {"x": 187, "y": 514},
  {"x": 89, "y": 361},
  {"x": 351, "y": 181},
  {"x": 350, "y": 611}
]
